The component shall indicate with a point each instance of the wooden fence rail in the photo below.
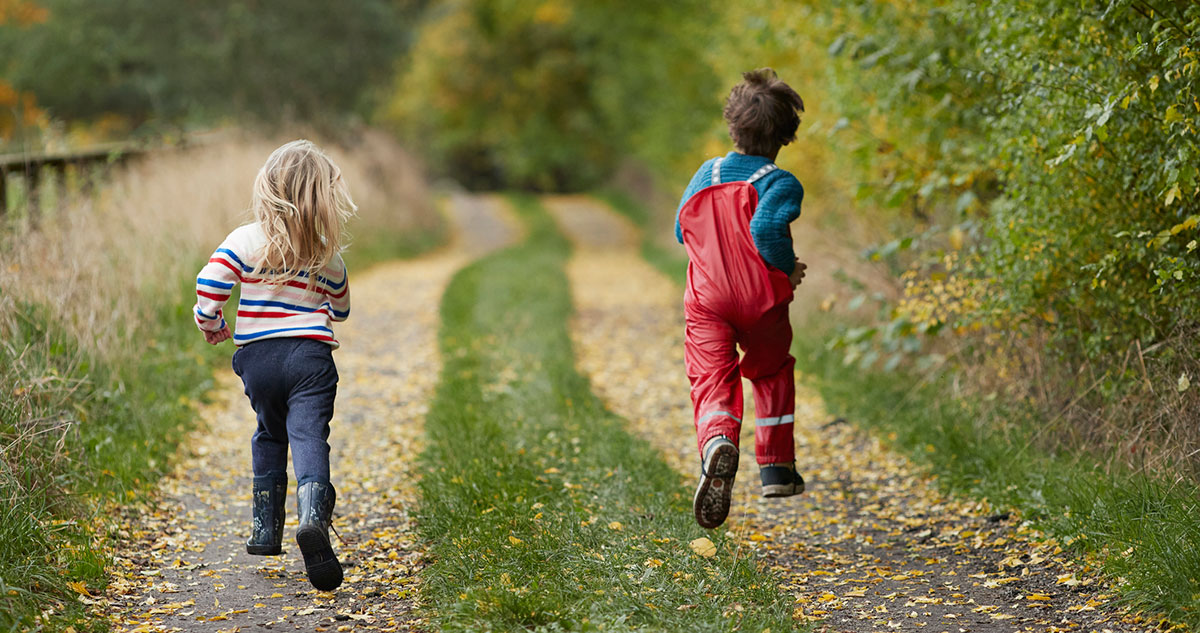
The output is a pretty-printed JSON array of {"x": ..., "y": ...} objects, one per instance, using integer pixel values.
[{"x": 33, "y": 167}]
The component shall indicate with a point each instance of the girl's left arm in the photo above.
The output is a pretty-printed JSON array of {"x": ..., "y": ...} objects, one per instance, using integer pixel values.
[{"x": 337, "y": 291}]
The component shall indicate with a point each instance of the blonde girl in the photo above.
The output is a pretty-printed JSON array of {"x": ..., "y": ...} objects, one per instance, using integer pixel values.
[{"x": 294, "y": 286}]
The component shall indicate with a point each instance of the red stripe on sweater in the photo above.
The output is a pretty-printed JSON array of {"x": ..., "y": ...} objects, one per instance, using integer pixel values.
[
  {"x": 229, "y": 265},
  {"x": 214, "y": 297},
  {"x": 278, "y": 315}
]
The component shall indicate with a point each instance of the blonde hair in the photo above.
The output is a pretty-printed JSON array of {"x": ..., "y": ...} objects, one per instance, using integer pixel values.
[{"x": 302, "y": 205}]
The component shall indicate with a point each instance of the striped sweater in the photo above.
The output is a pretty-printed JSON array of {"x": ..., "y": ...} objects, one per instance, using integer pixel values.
[{"x": 288, "y": 310}]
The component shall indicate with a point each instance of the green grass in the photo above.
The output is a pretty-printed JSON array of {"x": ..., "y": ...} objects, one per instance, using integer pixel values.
[{"x": 541, "y": 511}]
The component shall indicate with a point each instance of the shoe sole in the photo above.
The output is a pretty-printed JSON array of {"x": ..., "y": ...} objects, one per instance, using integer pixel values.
[
  {"x": 324, "y": 570},
  {"x": 264, "y": 550},
  {"x": 711, "y": 503}
]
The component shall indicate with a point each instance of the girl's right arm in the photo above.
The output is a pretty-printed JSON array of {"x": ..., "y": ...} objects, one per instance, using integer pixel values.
[{"x": 214, "y": 285}]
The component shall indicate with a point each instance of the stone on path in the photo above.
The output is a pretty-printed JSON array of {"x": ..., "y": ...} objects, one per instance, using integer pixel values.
[
  {"x": 182, "y": 565},
  {"x": 873, "y": 545}
]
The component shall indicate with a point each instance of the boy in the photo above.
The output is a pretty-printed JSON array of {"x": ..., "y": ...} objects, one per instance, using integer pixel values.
[{"x": 734, "y": 223}]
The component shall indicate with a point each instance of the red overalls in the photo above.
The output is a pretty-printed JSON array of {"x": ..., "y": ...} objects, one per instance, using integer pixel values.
[{"x": 734, "y": 298}]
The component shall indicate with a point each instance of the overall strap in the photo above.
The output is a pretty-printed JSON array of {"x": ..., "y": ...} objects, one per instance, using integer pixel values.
[
  {"x": 762, "y": 171},
  {"x": 716, "y": 174}
]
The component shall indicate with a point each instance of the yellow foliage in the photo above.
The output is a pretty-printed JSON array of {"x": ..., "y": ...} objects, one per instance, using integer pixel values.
[
  {"x": 937, "y": 297},
  {"x": 22, "y": 13},
  {"x": 553, "y": 12},
  {"x": 17, "y": 109}
]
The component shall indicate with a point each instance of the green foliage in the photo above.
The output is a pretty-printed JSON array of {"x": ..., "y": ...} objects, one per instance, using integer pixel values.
[
  {"x": 1059, "y": 136},
  {"x": 550, "y": 95},
  {"x": 175, "y": 60}
]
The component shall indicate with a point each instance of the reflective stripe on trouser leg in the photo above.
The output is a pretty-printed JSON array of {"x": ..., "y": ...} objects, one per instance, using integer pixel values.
[
  {"x": 771, "y": 368},
  {"x": 712, "y": 368},
  {"x": 773, "y": 443}
]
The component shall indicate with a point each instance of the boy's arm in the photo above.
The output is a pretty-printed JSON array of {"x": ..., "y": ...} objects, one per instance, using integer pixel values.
[
  {"x": 777, "y": 209},
  {"x": 337, "y": 289},
  {"x": 701, "y": 179},
  {"x": 214, "y": 285}
]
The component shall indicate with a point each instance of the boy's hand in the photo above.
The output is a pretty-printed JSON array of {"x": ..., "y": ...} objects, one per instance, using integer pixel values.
[
  {"x": 219, "y": 336},
  {"x": 797, "y": 275}
]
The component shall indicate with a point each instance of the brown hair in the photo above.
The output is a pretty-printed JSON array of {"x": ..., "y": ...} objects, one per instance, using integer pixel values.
[{"x": 762, "y": 112}]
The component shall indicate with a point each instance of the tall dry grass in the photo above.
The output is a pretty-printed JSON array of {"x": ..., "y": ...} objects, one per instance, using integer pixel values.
[{"x": 105, "y": 264}]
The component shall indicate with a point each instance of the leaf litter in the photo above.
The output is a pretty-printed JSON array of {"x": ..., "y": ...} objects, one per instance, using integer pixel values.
[
  {"x": 181, "y": 564},
  {"x": 873, "y": 545}
]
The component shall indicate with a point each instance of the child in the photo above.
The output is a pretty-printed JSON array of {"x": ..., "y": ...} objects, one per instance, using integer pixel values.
[
  {"x": 734, "y": 223},
  {"x": 293, "y": 286}
]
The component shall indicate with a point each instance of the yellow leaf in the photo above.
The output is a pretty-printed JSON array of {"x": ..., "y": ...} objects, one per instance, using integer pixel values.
[
  {"x": 1172, "y": 115},
  {"x": 1172, "y": 195},
  {"x": 703, "y": 547},
  {"x": 79, "y": 588},
  {"x": 616, "y": 525},
  {"x": 1039, "y": 597},
  {"x": 514, "y": 540}
]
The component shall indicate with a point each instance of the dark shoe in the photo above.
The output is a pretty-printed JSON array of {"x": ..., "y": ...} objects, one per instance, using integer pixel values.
[
  {"x": 781, "y": 480},
  {"x": 266, "y": 531},
  {"x": 315, "y": 501},
  {"x": 717, "y": 470}
]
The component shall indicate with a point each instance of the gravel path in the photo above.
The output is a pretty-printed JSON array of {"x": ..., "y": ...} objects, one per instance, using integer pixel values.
[
  {"x": 873, "y": 545},
  {"x": 183, "y": 565}
]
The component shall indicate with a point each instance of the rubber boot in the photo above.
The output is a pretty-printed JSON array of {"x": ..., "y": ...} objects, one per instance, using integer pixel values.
[
  {"x": 315, "y": 500},
  {"x": 267, "y": 502}
]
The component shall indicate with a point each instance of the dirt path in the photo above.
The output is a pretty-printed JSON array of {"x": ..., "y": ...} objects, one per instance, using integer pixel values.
[
  {"x": 184, "y": 565},
  {"x": 873, "y": 545}
]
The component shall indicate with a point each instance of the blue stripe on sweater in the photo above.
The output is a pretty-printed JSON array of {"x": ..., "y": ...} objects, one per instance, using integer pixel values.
[
  {"x": 236, "y": 259},
  {"x": 281, "y": 304},
  {"x": 212, "y": 283},
  {"x": 251, "y": 337}
]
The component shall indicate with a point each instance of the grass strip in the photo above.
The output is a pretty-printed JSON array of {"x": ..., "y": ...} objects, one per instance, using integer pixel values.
[
  {"x": 542, "y": 512},
  {"x": 1143, "y": 530}
]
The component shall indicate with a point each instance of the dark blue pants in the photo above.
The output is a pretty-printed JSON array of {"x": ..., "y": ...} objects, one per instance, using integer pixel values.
[{"x": 291, "y": 383}]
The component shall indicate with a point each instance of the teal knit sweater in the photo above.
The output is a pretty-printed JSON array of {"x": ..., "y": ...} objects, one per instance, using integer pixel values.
[{"x": 779, "y": 198}]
